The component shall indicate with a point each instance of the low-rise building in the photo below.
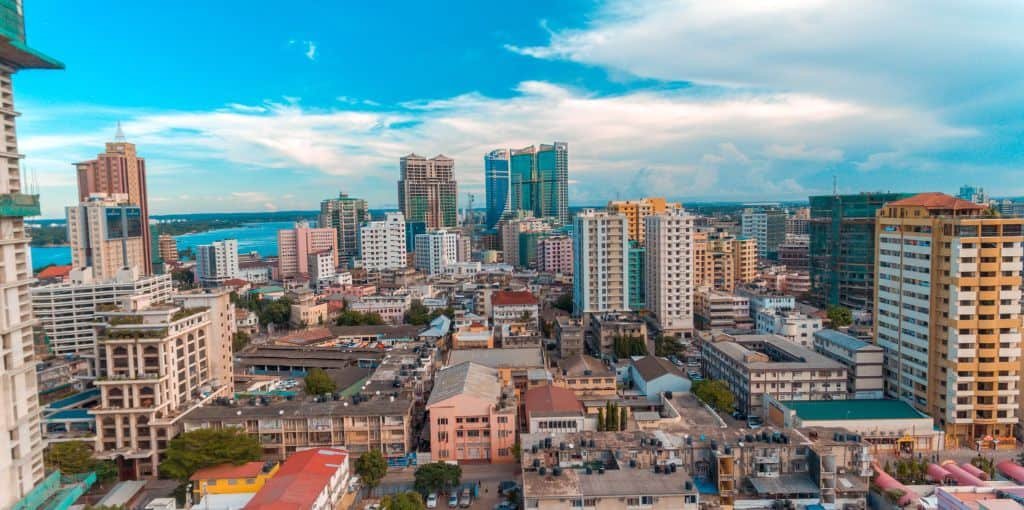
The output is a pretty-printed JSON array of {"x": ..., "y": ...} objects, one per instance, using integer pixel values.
[
  {"x": 513, "y": 365},
  {"x": 586, "y": 376},
  {"x": 514, "y": 306},
  {"x": 604, "y": 328},
  {"x": 390, "y": 308},
  {"x": 551, "y": 408},
  {"x": 863, "y": 362},
  {"x": 757, "y": 365},
  {"x": 789, "y": 324},
  {"x": 246, "y": 322},
  {"x": 715, "y": 309},
  {"x": 231, "y": 479},
  {"x": 652, "y": 376},
  {"x": 762, "y": 300},
  {"x": 314, "y": 479},
  {"x": 568, "y": 336},
  {"x": 477, "y": 335},
  {"x": 472, "y": 415},
  {"x": 306, "y": 310}
]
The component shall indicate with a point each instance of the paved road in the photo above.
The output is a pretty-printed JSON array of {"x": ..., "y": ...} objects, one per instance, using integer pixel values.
[{"x": 481, "y": 472}]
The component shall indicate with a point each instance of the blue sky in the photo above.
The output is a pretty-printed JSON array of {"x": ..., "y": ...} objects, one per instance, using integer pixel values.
[{"x": 254, "y": 106}]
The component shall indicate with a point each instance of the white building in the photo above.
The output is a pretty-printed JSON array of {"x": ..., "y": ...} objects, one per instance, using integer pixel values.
[
  {"x": 766, "y": 301},
  {"x": 436, "y": 250},
  {"x": 67, "y": 312},
  {"x": 257, "y": 275},
  {"x": 382, "y": 243},
  {"x": 768, "y": 227},
  {"x": 322, "y": 271},
  {"x": 217, "y": 263},
  {"x": 391, "y": 308},
  {"x": 668, "y": 268},
  {"x": 789, "y": 324},
  {"x": 105, "y": 233},
  {"x": 223, "y": 327},
  {"x": 600, "y": 251}
]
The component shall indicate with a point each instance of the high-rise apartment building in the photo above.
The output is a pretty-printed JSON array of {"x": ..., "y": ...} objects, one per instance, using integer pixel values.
[
  {"x": 794, "y": 252},
  {"x": 296, "y": 244},
  {"x": 600, "y": 257},
  {"x": 668, "y": 243},
  {"x": 217, "y": 262},
  {"x": 155, "y": 363},
  {"x": 768, "y": 227},
  {"x": 168, "y": 248},
  {"x": 842, "y": 248},
  {"x": 68, "y": 312},
  {"x": 119, "y": 171},
  {"x": 497, "y": 185},
  {"x": 436, "y": 250},
  {"x": 554, "y": 254},
  {"x": 21, "y": 446},
  {"x": 636, "y": 211},
  {"x": 721, "y": 261},
  {"x": 382, "y": 243},
  {"x": 540, "y": 181},
  {"x": 427, "y": 190},
  {"x": 636, "y": 260},
  {"x": 516, "y": 229},
  {"x": 948, "y": 307},
  {"x": 219, "y": 345},
  {"x": 107, "y": 234},
  {"x": 344, "y": 214}
]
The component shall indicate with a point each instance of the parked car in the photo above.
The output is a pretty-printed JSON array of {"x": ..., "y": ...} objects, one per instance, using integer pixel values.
[
  {"x": 754, "y": 422},
  {"x": 432, "y": 500},
  {"x": 453, "y": 500},
  {"x": 465, "y": 499},
  {"x": 507, "y": 486}
]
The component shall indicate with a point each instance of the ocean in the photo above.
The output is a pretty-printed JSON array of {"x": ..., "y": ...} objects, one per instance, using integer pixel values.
[{"x": 258, "y": 237}]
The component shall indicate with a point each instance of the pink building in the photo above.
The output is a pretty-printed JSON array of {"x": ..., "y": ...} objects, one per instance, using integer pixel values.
[
  {"x": 295, "y": 245},
  {"x": 472, "y": 415},
  {"x": 554, "y": 255}
]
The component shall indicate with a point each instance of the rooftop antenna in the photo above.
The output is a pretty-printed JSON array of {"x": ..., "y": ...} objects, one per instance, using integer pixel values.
[
  {"x": 119, "y": 135},
  {"x": 835, "y": 186}
]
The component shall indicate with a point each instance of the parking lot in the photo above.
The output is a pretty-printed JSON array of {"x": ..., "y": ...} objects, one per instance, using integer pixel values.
[{"x": 486, "y": 476}]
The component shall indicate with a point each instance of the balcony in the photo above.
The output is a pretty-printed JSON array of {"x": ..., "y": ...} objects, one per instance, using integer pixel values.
[{"x": 18, "y": 205}]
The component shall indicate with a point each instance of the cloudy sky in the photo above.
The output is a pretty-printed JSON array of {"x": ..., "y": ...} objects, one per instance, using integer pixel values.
[{"x": 273, "y": 106}]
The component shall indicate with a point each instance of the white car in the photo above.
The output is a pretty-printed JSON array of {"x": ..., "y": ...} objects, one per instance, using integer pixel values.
[{"x": 432, "y": 500}]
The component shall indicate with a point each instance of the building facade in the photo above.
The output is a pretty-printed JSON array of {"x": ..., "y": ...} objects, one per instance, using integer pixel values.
[
  {"x": 722, "y": 261},
  {"x": 948, "y": 305},
  {"x": 217, "y": 262},
  {"x": 427, "y": 191},
  {"x": 107, "y": 234},
  {"x": 168, "y": 248},
  {"x": 344, "y": 214},
  {"x": 472, "y": 415},
  {"x": 600, "y": 256},
  {"x": 863, "y": 362},
  {"x": 119, "y": 171},
  {"x": 554, "y": 254},
  {"x": 21, "y": 446},
  {"x": 789, "y": 324},
  {"x": 669, "y": 270},
  {"x": 768, "y": 227},
  {"x": 794, "y": 252},
  {"x": 296, "y": 244},
  {"x": 220, "y": 347},
  {"x": 636, "y": 211},
  {"x": 636, "y": 275},
  {"x": 435, "y": 251},
  {"x": 497, "y": 185},
  {"x": 382, "y": 243},
  {"x": 539, "y": 178}
]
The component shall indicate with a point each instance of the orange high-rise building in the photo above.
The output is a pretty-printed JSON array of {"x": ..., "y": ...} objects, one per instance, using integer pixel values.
[{"x": 637, "y": 210}]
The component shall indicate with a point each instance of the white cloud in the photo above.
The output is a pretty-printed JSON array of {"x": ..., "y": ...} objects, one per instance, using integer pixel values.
[{"x": 310, "y": 50}]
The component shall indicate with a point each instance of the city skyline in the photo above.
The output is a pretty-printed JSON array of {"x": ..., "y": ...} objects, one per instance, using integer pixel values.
[{"x": 713, "y": 124}]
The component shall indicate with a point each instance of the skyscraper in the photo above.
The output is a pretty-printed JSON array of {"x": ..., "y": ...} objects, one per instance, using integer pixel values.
[
  {"x": 637, "y": 210},
  {"x": 21, "y": 446},
  {"x": 948, "y": 308},
  {"x": 118, "y": 170},
  {"x": 768, "y": 227},
  {"x": 668, "y": 270},
  {"x": 539, "y": 177},
  {"x": 294, "y": 246},
  {"x": 344, "y": 214},
  {"x": 497, "y": 185},
  {"x": 842, "y": 247},
  {"x": 600, "y": 255},
  {"x": 106, "y": 234},
  {"x": 427, "y": 191},
  {"x": 217, "y": 262}
]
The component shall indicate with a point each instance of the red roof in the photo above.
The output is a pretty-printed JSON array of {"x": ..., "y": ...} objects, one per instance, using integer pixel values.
[
  {"x": 549, "y": 399},
  {"x": 236, "y": 282},
  {"x": 54, "y": 272},
  {"x": 225, "y": 471},
  {"x": 299, "y": 481},
  {"x": 307, "y": 336},
  {"x": 937, "y": 200},
  {"x": 508, "y": 298}
]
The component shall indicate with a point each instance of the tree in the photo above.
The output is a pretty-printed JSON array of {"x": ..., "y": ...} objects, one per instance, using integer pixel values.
[
  {"x": 183, "y": 278},
  {"x": 600, "y": 420},
  {"x": 403, "y": 501},
  {"x": 715, "y": 394},
  {"x": 276, "y": 311},
  {"x": 372, "y": 467},
  {"x": 626, "y": 346},
  {"x": 667, "y": 346},
  {"x": 622, "y": 419},
  {"x": 437, "y": 477},
  {"x": 355, "y": 318},
  {"x": 240, "y": 340},
  {"x": 192, "y": 451},
  {"x": 563, "y": 302},
  {"x": 840, "y": 316},
  {"x": 318, "y": 382},
  {"x": 71, "y": 458}
]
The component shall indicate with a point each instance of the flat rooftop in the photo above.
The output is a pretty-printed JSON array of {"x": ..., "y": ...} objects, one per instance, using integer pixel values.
[
  {"x": 614, "y": 482},
  {"x": 300, "y": 409},
  {"x": 854, "y": 409},
  {"x": 499, "y": 358}
]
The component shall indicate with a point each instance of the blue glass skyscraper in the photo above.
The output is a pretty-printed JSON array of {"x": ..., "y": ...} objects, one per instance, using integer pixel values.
[{"x": 497, "y": 185}]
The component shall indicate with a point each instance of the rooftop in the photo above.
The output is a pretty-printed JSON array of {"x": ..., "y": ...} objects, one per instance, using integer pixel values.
[
  {"x": 225, "y": 471},
  {"x": 853, "y": 409},
  {"x": 550, "y": 400},
  {"x": 843, "y": 340},
  {"x": 292, "y": 409},
  {"x": 380, "y": 331},
  {"x": 511, "y": 298},
  {"x": 653, "y": 367},
  {"x": 937, "y": 201},
  {"x": 500, "y": 358},
  {"x": 54, "y": 272},
  {"x": 584, "y": 365},
  {"x": 465, "y": 378},
  {"x": 300, "y": 480}
]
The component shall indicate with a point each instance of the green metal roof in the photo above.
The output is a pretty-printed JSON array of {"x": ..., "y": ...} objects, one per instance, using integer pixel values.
[
  {"x": 13, "y": 48},
  {"x": 853, "y": 409}
]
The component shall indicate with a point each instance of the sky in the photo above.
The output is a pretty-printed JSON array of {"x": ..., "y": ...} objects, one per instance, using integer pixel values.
[{"x": 253, "y": 106}]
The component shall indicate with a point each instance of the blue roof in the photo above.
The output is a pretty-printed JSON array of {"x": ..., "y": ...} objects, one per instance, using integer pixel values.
[
  {"x": 71, "y": 414},
  {"x": 438, "y": 327},
  {"x": 842, "y": 339}
]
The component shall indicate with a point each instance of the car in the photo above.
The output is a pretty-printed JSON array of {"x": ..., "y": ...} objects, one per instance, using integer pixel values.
[
  {"x": 432, "y": 500},
  {"x": 507, "y": 486},
  {"x": 504, "y": 505},
  {"x": 453, "y": 500},
  {"x": 465, "y": 499},
  {"x": 372, "y": 506},
  {"x": 754, "y": 422}
]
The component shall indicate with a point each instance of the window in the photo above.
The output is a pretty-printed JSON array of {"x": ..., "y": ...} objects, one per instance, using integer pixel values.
[{"x": 442, "y": 421}]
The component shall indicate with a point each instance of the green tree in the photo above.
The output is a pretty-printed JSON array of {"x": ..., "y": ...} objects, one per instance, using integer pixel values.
[
  {"x": 563, "y": 302},
  {"x": 371, "y": 467},
  {"x": 600, "y": 419},
  {"x": 626, "y": 346},
  {"x": 437, "y": 477},
  {"x": 667, "y": 346},
  {"x": 403, "y": 501},
  {"x": 240, "y": 340},
  {"x": 318, "y": 382},
  {"x": 418, "y": 314},
  {"x": 71, "y": 458},
  {"x": 355, "y": 318},
  {"x": 622, "y": 419},
  {"x": 839, "y": 316},
  {"x": 276, "y": 311},
  {"x": 183, "y": 278},
  {"x": 716, "y": 394},
  {"x": 192, "y": 451}
]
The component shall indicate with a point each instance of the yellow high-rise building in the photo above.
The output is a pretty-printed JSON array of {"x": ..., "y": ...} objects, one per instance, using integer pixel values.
[
  {"x": 947, "y": 298},
  {"x": 636, "y": 211},
  {"x": 722, "y": 261}
]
